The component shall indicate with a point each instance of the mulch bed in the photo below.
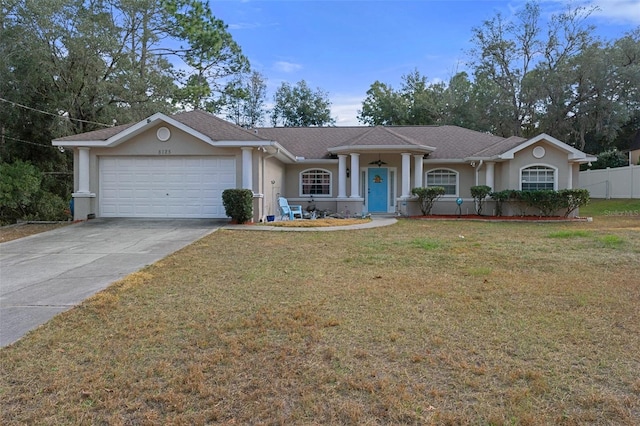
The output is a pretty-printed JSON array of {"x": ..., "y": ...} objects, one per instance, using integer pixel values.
[{"x": 502, "y": 218}]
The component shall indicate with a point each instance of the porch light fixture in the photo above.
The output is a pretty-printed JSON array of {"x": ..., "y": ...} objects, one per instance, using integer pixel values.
[
  {"x": 348, "y": 172},
  {"x": 379, "y": 162}
]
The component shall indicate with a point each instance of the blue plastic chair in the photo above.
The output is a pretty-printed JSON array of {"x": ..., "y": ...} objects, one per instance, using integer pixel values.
[{"x": 288, "y": 211}]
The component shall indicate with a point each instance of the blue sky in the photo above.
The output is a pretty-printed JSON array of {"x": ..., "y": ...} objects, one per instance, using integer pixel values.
[{"x": 342, "y": 47}]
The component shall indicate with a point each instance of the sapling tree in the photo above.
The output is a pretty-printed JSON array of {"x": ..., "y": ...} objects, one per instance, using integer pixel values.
[
  {"x": 479, "y": 194},
  {"x": 428, "y": 196},
  {"x": 573, "y": 198}
]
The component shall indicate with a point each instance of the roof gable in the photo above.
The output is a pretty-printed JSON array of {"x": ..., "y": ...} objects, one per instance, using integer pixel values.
[
  {"x": 573, "y": 153},
  {"x": 199, "y": 124},
  {"x": 380, "y": 138}
]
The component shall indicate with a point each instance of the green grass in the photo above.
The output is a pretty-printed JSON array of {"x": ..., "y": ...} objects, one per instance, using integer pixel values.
[
  {"x": 571, "y": 233},
  {"x": 426, "y": 244},
  {"x": 405, "y": 324},
  {"x": 613, "y": 207},
  {"x": 611, "y": 241}
]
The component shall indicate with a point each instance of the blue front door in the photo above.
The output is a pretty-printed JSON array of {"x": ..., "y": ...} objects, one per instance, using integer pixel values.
[{"x": 378, "y": 185}]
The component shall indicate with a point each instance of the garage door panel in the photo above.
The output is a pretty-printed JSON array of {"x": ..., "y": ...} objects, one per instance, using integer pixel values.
[{"x": 165, "y": 186}]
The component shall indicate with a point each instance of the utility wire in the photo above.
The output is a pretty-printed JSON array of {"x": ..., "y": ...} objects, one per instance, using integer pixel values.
[
  {"x": 29, "y": 142},
  {"x": 54, "y": 115}
]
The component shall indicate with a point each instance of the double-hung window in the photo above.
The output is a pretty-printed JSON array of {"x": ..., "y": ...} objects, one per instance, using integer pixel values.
[
  {"x": 537, "y": 177},
  {"x": 315, "y": 182},
  {"x": 446, "y": 178}
]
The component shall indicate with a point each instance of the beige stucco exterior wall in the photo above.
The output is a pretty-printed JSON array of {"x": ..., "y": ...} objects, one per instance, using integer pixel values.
[
  {"x": 148, "y": 145},
  {"x": 291, "y": 188},
  {"x": 274, "y": 171},
  {"x": 553, "y": 158},
  {"x": 179, "y": 144},
  {"x": 466, "y": 176}
]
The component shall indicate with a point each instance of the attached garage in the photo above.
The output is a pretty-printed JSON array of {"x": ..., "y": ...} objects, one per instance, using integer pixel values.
[{"x": 165, "y": 186}]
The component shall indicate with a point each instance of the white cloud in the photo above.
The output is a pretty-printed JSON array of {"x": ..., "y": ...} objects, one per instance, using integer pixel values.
[
  {"x": 244, "y": 26},
  {"x": 287, "y": 67},
  {"x": 344, "y": 108},
  {"x": 623, "y": 11}
]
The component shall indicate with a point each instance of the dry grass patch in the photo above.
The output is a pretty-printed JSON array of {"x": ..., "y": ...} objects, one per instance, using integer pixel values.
[
  {"x": 14, "y": 232},
  {"x": 406, "y": 324}
]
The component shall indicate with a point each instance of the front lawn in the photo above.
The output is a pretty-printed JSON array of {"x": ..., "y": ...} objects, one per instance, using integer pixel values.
[
  {"x": 443, "y": 322},
  {"x": 613, "y": 207}
]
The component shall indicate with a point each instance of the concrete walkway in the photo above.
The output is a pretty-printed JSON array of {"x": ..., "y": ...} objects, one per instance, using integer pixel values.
[
  {"x": 45, "y": 274},
  {"x": 376, "y": 221}
]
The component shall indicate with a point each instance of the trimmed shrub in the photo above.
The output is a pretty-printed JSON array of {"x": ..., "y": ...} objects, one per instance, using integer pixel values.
[
  {"x": 547, "y": 201},
  {"x": 500, "y": 197},
  {"x": 238, "y": 204},
  {"x": 479, "y": 193},
  {"x": 428, "y": 196}
]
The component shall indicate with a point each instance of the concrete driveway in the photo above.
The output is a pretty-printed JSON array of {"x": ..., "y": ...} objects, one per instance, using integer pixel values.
[{"x": 45, "y": 274}]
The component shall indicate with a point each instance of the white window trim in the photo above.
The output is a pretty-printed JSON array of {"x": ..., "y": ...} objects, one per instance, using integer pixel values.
[
  {"x": 426, "y": 180},
  {"x": 302, "y": 194},
  {"x": 548, "y": 166}
]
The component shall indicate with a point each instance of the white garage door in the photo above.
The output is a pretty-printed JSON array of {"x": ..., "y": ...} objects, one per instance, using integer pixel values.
[{"x": 188, "y": 187}]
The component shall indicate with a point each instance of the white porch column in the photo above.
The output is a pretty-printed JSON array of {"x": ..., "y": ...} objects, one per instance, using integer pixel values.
[
  {"x": 342, "y": 176},
  {"x": 570, "y": 177},
  {"x": 247, "y": 168},
  {"x": 406, "y": 175},
  {"x": 417, "y": 170},
  {"x": 490, "y": 174},
  {"x": 83, "y": 170},
  {"x": 355, "y": 175}
]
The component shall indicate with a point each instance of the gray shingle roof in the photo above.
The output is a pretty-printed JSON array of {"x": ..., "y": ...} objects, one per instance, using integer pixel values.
[
  {"x": 203, "y": 122},
  {"x": 499, "y": 147},
  {"x": 97, "y": 135},
  {"x": 450, "y": 142},
  {"x": 310, "y": 142},
  {"x": 216, "y": 128}
]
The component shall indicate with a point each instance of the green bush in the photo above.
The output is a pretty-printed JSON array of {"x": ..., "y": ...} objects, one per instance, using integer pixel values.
[
  {"x": 51, "y": 207},
  {"x": 238, "y": 204},
  {"x": 500, "y": 197},
  {"x": 547, "y": 201},
  {"x": 428, "y": 196},
  {"x": 19, "y": 187},
  {"x": 612, "y": 158},
  {"x": 22, "y": 196},
  {"x": 479, "y": 193}
]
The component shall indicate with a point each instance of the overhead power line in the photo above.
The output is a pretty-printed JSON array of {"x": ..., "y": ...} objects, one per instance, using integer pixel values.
[
  {"x": 30, "y": 143},
  {"x": 54, "y": 115}
]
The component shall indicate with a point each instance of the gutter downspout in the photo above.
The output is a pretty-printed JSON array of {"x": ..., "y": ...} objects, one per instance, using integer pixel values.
[
  {"x": 477, "y": 179},
  {"x": 264, "y": 158},
  {"x": 478, "y": 169}
]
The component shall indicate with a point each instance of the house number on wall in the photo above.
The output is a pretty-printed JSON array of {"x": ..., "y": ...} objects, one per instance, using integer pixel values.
[{"x": 164, "y": 152}]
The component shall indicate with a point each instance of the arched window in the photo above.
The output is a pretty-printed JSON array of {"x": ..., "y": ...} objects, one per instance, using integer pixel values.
[
  {"x": 315, "y": 182},
  {"x": 446, "y": 178},
  {"x": 534, "y": 178}
]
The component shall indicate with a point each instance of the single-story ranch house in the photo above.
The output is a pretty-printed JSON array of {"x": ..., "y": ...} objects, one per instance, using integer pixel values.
[{"x": 178, "y": 166}]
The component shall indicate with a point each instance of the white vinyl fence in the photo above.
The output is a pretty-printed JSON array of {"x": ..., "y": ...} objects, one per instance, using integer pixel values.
[{"x": 620, "y": 182}]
